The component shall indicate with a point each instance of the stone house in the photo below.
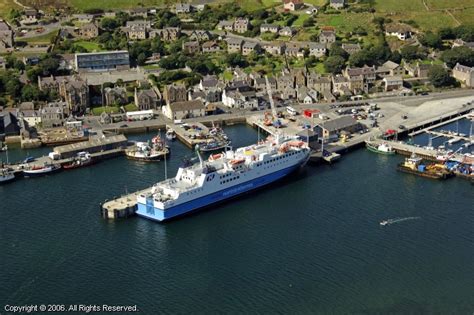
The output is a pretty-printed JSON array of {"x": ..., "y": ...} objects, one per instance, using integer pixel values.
[
  {"x": 327, "y": 36},
  {"x": 274, "y": 48},
  {"x": 182, "y": 8},
  {"x": 337, "y": 4},
  {"x": 115, "y": 96},
  {"x": 249, "y": 47},
  {"x": 191, "y": 47},
  {"x": 175, "y": 93},
  {"x": 52, "y": 115},
  {"x": 241, "y": 25},
  {"x": 200, "y": 35},
  {"x": 317, "y": 49},
  {"x": 225, "y": 26},
  {"x": 234, "y": 45},
  {"x": 210, "y": 46},
  {"x": 464, "y": 74},
  {"x": 318, "y": 82},
  {"x": 287, "y": 31},
  {"x": 392, "y": 83},
  {"x": 269, "y": 28},
  {"x": 292, "y": 5},
  {"x": 390, "y": 68},
  {"x": 186, "y": 109},
  {"x": 167, "y": 34},
  {"x": 401, "y": 31},
  {"x": 340, "y": 85},
  {"x": 351, "y": 48},
  {"x": 367, "y": 72},
  {"x": 89, "y": 31},
  {"x": 30, "y": 16},
  {"x": 145, "y": 99},
  {"x": 138, "y": 12}
]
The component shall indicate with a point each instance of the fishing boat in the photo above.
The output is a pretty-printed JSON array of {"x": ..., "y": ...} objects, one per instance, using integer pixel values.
[
  {"x": 37, "y": 171},
  {"x": 82, "y": 159},
  {"x": 414, "y": 165},
  {"x": 214, "y": 145},
  {"x": 143, "y": 151},
  {"x": 383, "y": 148},
  {"x": 170, "y": 135},
  {"x": 330, "y": 157},
  {"x": 222, "y": 177},
  {"x": 6, "y": 176}
]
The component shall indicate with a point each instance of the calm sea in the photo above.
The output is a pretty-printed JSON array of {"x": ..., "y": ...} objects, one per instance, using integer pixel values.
[{"x": 308, "y": 244}]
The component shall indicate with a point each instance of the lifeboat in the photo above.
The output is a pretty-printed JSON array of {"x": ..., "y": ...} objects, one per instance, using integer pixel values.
[
  {"x": 297, "y": 144},
  {"x": 237, "y": 162},
  {"x": 215, "y": 157}
]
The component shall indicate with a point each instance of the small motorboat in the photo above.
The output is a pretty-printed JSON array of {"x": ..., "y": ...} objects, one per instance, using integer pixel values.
[
  {"x": 170, "y": 135},
  {"x": 37, "y": 171},
  {"x": 6, "y": 176},
  {"x": 384, "y": 222},
  {"x": 82, "y": 159}
]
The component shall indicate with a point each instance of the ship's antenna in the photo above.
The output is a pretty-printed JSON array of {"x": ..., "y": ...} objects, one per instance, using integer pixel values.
[
  {"x": 166, "y": 153},
  {"x": 199, "y": 155}
]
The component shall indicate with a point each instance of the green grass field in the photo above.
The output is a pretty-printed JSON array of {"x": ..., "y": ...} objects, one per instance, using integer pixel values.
[
  {"x": 465, "y": 16},
  {"x": 449, "y": 4},
  {"x": 90, "y": 46},
  {"x": 387, "y": 6},
  {"x": 112, "y": 4},
  {"x": 109, "y": 109},
  {"x": 6, "y": 6},
  {"x": 42, "y": 39}
]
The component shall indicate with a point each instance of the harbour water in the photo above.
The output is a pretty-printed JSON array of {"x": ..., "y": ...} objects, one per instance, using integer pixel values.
[{"x": 309, "y": 244}]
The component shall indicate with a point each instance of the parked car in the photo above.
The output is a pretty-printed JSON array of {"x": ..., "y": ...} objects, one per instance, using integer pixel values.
[{"x": 402, "y": 127}]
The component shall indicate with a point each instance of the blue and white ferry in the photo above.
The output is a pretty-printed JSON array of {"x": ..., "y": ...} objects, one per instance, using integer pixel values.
[{"x": 223, "y": 176}]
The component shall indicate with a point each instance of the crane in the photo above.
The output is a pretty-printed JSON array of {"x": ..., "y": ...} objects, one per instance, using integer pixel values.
[{"x": 276, "y": 122}]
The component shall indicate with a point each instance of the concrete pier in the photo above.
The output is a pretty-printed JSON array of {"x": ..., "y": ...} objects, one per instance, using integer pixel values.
[{"x": 122, "y": 207}]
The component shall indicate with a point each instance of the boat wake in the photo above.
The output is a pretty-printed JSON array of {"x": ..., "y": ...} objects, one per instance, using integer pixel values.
[{"x": 398, "y": 220}]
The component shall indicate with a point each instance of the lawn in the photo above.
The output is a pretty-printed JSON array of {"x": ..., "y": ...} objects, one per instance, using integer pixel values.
[
  {"x": 432, "y": 20},
  {"x": 41, "y": 39},
  {"x": 90, "y": 46},
  {"x": 301, "y": 18},
  {"x": 131, "y": 107},
  {"x": 320, "y": 68},
  {"x": 108, "y": 109}
]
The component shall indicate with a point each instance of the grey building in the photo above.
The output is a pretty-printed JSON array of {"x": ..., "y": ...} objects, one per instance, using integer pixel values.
[{"x": 102, "y": 61}]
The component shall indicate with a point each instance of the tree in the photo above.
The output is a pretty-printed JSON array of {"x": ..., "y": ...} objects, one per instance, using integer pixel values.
[
  {"x": 235, "y": 60},
  {"x": 308, "y": 22},
  {"x": 439, "y": 77},
  {"x": 30, "y": 92},
  {"x": 432, "y": 40},
  {"x": 462, "y": 55},
  {"x": 410, "y": 53},
  {"x": 49, "y": 66},
  {"x": 334, "y": 64},
  {"x": 109, "y": 24},
  {"x": 141, "y": 59},
  {"x": 336, "y": 50},
  {"x": 446, "y": 33}
]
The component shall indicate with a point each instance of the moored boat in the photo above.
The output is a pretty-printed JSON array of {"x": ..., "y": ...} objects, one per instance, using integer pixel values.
[
  {"x": 37, "y": 171},
  {"x": 170, "y": 135},
  {"x": 383, "y": 148},
  {"x": 143, "y": 151},
  {"x": 214, "y": 145},
  {"x": 82, "y": 159},
  {"x": 414, "y": 165},
  {"x": 6, "y": 176}
]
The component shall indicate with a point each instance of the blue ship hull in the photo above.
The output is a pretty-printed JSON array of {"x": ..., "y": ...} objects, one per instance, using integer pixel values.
[{"x": 148, "y": 210}]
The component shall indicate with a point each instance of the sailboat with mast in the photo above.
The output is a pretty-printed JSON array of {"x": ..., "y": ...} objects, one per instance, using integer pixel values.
[{"x": 6, "y": 174}]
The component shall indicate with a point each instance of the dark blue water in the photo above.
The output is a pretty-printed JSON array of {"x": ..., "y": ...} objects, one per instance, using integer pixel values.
[{"x": 309, "y": 244}]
